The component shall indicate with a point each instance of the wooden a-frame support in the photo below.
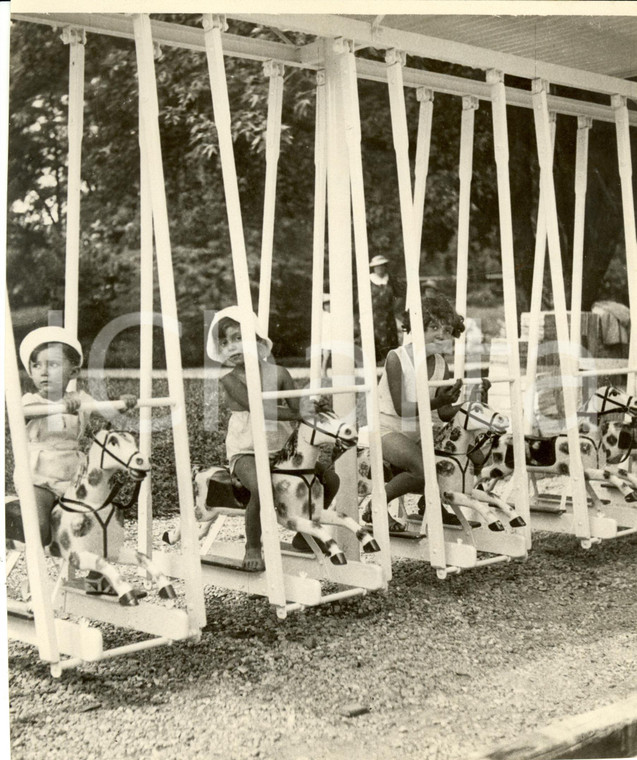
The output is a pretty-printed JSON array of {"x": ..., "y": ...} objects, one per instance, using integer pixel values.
[
  {"x": 60, "y": 642},
  {"x": 609, "y": 518},
  {"x": 447, "y": 550},
  {"x": 291, "y": 580}
]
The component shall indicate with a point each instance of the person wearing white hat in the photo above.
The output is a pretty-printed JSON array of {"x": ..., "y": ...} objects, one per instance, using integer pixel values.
[
  {"x": 52, "y": 357},
  {"x": 383, "y": 307},
  {"x": 225, "y": 347}
]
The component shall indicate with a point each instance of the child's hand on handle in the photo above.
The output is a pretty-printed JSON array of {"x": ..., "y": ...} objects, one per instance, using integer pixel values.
[
  {"x": 449, "y": 394},
  {"x": 72, "y": 402},
  {"x": 129, "y": 400}
]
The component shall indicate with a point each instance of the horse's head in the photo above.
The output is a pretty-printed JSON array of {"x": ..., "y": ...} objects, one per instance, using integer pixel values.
[
  {"x": 118, "y": 450},
  {"x": 321, "y": 428},
  {"x": 611, "y": 400},
  {"x": 475, "y": 416}
]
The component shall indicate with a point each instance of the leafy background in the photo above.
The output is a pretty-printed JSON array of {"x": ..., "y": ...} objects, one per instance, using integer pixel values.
[{"x": 197, "y": 217}]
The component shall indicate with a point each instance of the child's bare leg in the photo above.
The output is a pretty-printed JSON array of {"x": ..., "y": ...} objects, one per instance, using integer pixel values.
[
  {"x": 245, "y": 469},
  {"x": 406, "y": 455}
]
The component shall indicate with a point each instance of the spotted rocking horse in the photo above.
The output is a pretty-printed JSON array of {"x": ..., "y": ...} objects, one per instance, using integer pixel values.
[
  {"x": 296, "y": 487},
  {"x": 87, "y": 523},
  {"x": 604, "y": 445},
  {"x": 460, "y": 445}
]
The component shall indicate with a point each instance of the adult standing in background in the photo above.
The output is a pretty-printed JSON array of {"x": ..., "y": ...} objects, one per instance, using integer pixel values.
[{"x": 383, "y": 307}]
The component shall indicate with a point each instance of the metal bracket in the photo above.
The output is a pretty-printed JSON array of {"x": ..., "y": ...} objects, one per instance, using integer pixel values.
[
  {"x": 424, "y": 95},
  {"x": 584, "y": 122},
  {"x": 495, "y": 76},
  {"x": 157, "y": 51},
  {"x": 540, "y": 85},
  {"x": 393, "y": 56},
  {"x": 617, "y": 101},
  {"x": 320, "y": 77},
  {"x": 470, "y": 103},
  {"x": 273, "y": 68},
  {"x": 342, "y": 45},
  {"x": 73, "y": 34},
  {"x": 214, "y": 21}
]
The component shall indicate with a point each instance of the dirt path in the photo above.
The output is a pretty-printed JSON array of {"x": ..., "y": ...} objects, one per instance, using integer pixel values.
[{"x": 445, "y": 667}]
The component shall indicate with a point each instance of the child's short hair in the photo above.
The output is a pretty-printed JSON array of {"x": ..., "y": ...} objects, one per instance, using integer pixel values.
[
  {"x": 438, "y": 309},
  {"x": 67, "y": 351}
]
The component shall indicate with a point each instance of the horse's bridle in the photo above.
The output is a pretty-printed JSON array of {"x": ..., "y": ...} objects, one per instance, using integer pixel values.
[
  {"x": 67, "y": 503},
  {"x": 106, "y": 451},
  {"x": 340, "y": 444},
  {"x": 624, "y": 408}
]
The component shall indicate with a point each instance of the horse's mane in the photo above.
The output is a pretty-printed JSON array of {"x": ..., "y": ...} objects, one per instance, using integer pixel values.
[{"x": 288, "y": 450}]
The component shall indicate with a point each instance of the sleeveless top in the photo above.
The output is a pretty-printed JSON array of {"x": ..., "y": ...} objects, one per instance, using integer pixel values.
[
  {"x": 390, "y": 420},
  {"x": 54, "y": 455}
]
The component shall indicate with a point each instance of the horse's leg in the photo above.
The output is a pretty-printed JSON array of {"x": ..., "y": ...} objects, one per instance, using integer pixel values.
[
  {"x": 462, "y": 500},
  {"x": 84, "y": 560},
  {"x": 333, "y": 517},
  {"x": 314, "y": 529},
  {"x": 606, "y": 475},
  {"x": 493, "y": 500},
  {"x": 133, "y": 557}
]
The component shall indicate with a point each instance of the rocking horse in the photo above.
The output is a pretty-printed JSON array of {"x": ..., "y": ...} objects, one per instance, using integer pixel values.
[
  {"x": 296, "y": 487},
  {"x": 460, "y": 445},
  {"x": 87, "y": 523},
  {"x": 603, "y": 446}
]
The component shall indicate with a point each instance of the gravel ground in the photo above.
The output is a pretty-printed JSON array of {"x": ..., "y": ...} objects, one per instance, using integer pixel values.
[{"x": 446, "y": 668}]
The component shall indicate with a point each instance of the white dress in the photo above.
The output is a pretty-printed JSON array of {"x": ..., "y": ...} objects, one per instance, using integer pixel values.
[{"x": 390, "y": 420}]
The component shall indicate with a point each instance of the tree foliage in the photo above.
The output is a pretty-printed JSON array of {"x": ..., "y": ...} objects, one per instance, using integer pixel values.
[{"x": 110, "y": 214}]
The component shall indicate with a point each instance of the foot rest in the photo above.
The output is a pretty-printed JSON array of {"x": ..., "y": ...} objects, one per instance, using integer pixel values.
[{"x": 228, "y": 562}]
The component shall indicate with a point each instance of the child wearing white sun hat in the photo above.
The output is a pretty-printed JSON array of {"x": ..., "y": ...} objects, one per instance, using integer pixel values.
[{"x": 52, "y": 357}]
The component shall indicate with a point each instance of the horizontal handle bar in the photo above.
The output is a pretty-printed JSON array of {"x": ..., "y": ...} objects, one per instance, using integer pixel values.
[
  {"x": 472, "y": 381},
  {"x": 301, "y": 392},
  {"x": 614, "y": 371},
  {"x": 40, "y": 410}
]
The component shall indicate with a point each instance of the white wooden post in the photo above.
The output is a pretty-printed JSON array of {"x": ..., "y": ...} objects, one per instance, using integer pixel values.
[
  {"x": 37, "y": 573},
  {"x": 584, "y": 123},
  {"x": 145, "y": 504},
  {"x": 568, "y": 358},
  {"x": 628, "y": 208},
  {"x": 423, "y": 148},
  {"x": 395, "y": 61},
  {"x": 465, "y": 169},
  {"x": 76, "y": 39},
  {"x": 151, "y": 144},
  {"x": 351, "y": 113},
  {"x": 536, "y": 303},
  {"x": 213, "y": 25},
  {"x": 274, "y": 71},
  {"x": 501, "y": 149},
  {"x": 318, "y": 340},
  {"x": 340, "y": 267}
]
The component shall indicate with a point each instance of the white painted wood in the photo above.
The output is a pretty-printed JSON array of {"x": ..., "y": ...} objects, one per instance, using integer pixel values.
[
  {"x": 536, "y": 304},
  {"x": 275, "y": 72},
  {"x": 151, "y": 143},
  {"x": 75, "y": 38},
  {"x": 319, "y": 342},
  {"x": 501, "y": 150},
  {"x": 351, "y": 115},
  {"x": 568, "y": 358},
  {"x": 423, "y": 150},
  {"x": 39, "y": 583},
  {"x": 465, "y": 169},
  {"x": 341, "y": 275},
  {"x": 628, "y": 209},
  {"x": 437, "y": 547},
  {"x": 221, "y": 107},
  {"x": 584, "y": 125}
]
